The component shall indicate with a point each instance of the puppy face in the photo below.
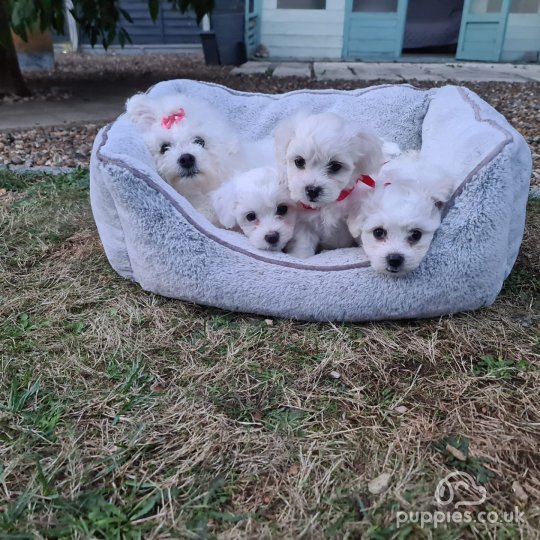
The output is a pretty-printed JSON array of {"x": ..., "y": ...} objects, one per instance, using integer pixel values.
[
  {"x": 192, "y": 144},
  {"x": 321, "y": 155},
  {"x": 260, "y": 206},
  {"x": 397, "y": 227}
]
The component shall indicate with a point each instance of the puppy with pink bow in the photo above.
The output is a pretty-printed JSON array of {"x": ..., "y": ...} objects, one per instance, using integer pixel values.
[{"x": 195, "y": 148}]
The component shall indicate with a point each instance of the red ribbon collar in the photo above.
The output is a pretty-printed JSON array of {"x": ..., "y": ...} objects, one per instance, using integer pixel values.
[{"x": 365, "y": 179}]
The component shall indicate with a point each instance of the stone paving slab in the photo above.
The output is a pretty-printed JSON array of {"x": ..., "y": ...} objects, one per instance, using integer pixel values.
[
  {"x": 397, "y": 71},
  {"x": 373, "y": 71},
  {"x": 424, "y": 72},
  {"x": 530, "y": 72},
  {"x": 253, "y": 68},
  {"x": 496, "y": 72},
  {"x": 369, "y": 71},
  {"x": 476, "y": 73},
  {"x": 328, "y": 71},
  {"x": 293, "y": 69}
]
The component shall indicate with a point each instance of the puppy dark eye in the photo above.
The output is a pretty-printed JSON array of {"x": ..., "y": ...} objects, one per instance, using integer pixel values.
[
  {"x": 334, "y": 166},
  {"x": 200, "y": 141},
  {"x": 300, "y": 162},
  {"x": 282, "y": 209},
  {"x": 164, "y": 147},
  {"x": 251, "y": 216},
  {"x": 415, "y": 235},
  {"x": 379, "y": 233}
]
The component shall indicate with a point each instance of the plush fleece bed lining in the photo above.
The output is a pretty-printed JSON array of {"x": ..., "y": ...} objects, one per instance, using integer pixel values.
[
  {"x": 324, "y": 268},
  {"x": 490, "y": 157}
]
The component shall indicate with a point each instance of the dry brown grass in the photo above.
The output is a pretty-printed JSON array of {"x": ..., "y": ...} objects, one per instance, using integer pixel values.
[{"x": 127, "y": 415}]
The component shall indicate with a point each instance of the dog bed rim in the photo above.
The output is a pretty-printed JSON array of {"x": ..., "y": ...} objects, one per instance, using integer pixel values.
[{"x": 106, "y": 160}]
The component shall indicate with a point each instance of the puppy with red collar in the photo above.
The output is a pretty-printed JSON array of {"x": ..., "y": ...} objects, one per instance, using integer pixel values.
[
  {"x": 322, "y": 158},
  {"x": 395, "y": 221}
]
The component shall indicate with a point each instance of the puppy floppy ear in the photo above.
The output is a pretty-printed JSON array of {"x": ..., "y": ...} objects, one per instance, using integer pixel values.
[
  {"x": 442, "y": 195},
  {"x": 439, "y": 205},
  {"x": 355, "y": 223},
  {"x": 284, "y": 135},
  {"x": 358, "y": 213},
  {"x": 224, "y": 201},
  {"x": 363, "y": 207},
  {"x": 141, "y": 110},
  {"x": 369, "y": 149}
]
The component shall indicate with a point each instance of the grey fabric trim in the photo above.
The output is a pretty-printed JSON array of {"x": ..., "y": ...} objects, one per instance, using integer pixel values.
[{"x": 334, "y": 268}]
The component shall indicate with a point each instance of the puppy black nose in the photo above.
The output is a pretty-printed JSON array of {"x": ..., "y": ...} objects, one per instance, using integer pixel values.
[
  {"x": 186, "y": 161},
  {"x": 313, "y": 192},
  {"x": 272, "y": 237},
  {"x": 395, "y": 260}
]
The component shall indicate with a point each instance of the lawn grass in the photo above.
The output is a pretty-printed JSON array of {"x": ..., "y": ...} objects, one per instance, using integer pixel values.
[{"x": 128, "y": 415}]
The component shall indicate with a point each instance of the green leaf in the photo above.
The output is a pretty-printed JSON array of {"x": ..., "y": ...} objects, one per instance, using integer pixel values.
[
  {"x": 124, "y": 37},
  {"x": 43, "y": 480},
  {"x": 126, "y": 15},
  {"x": 110, "y": 36},
  {"x": 227, "y": 517},
  {"x": 153, "y": 7},
  {"x": 145, "y": 507},
  {"x": 93, "y": 36},
  {"x": 77, "y": 327},
  {"x": 24, "y": 321},
  {"x": 200, "y": 7}
]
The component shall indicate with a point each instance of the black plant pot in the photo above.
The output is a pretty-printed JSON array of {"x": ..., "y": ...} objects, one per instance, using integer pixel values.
[
  {"x": 210, "y": 48},
  {"x": 229, "y": 29},
  {"x": 227, "y": 41}
]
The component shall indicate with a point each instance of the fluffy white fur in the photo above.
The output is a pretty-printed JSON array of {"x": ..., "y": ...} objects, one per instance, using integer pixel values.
[
  {"x": 319, "y": 156},
  {"x": 260, "y": 206},
  {"x": 395, "y": 223},
  {"x": 198, "y": 152}
]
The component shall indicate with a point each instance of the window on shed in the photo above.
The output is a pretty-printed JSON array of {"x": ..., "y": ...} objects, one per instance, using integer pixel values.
[
  {"x": 525, "y": 6},
  {"x": 479, "y": 7},
  {"x": 301, "y": 4},
  {"x": 375, "y": 6}
]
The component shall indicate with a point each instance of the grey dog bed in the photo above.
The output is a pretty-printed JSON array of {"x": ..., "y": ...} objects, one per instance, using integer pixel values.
[{"x": 154, "y": 237}]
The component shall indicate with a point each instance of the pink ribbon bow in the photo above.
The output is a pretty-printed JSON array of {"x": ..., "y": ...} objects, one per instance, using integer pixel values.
[{"x": 169, "y": 121}]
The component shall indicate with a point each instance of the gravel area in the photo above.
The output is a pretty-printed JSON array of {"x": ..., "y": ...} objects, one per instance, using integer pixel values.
[
  {"x": 71, "y": 145},
  {"x": 44, "y": 146}
]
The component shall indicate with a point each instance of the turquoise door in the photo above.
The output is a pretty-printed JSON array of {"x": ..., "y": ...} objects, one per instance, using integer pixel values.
[
  {"x": 374, "y": 29},
  {"x": 483, "y": 25},
  {"x": 252, "y": 26}
]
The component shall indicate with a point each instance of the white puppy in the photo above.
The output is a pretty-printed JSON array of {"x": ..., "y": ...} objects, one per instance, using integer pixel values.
[
  {"x": 258, "y": 204},
  {"x": 194, "y": 147},
  {"x": 395, "y": 222},
  {"x": 322, "y": 157}
]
